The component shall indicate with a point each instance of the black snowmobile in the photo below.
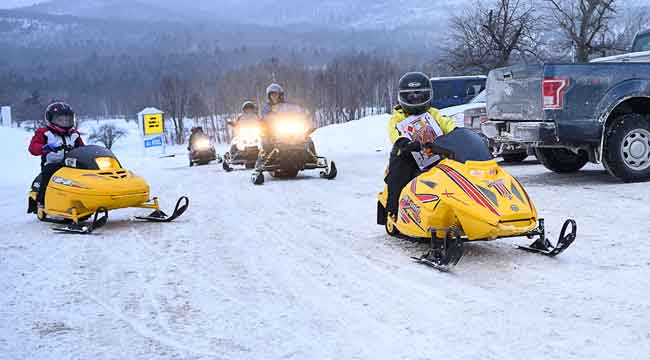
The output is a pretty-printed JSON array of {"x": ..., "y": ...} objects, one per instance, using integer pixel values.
[
  {"x": 289, "y": 149},
  {"x": 201, "y": 150}
]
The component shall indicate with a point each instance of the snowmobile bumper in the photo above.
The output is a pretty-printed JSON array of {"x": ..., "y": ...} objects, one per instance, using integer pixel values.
[
  {"x": 203, "y": 156},
  {"x": 243, "y": 157}
]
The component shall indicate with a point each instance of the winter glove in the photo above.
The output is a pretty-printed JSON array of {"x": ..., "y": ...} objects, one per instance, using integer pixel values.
[
  {"x": 428, "y": 148},
  {"x": 48, "y": 148},
  {"x": 431, "y": 149},
  {"x": 404, "y": 147}
]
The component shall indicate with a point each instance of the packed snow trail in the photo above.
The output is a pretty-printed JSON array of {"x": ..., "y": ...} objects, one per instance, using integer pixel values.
[{"x": 298, "y": 269}]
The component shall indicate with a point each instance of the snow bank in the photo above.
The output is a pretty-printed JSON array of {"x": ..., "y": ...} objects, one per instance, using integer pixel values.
[
  {"x": 20, "y": 164},
  {"x": 358, "y": 136}
]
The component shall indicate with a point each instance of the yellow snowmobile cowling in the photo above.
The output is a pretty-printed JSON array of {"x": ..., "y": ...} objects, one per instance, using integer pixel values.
[
  {"x": 88, "y": 190},
  {"x": 482, "y": 200},
  {"x": 467, "y": 198},
  {"x": 92, "y": 182}
]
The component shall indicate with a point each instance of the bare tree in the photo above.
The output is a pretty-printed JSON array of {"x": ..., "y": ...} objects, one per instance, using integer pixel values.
[
  {"x": 584, "y": 25},
  {"x": 489, "y": 36},
  {"x": 174, "y": 96},
  {"x": 107, "y": 134},
  {"x": 634, "y": 21}
]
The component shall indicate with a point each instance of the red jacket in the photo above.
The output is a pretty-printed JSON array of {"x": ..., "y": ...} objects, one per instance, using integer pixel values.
[{"x": 45, "y": 135}]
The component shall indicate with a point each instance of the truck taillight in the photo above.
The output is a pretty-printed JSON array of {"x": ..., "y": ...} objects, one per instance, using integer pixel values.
[{"x": 554, "y": 93}]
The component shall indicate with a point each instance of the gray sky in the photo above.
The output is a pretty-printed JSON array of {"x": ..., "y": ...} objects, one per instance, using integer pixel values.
[{"x": 8, "y": 4}]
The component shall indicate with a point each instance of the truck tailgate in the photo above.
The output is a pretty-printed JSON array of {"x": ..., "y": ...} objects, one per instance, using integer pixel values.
[{"x": 515, "y": 93}]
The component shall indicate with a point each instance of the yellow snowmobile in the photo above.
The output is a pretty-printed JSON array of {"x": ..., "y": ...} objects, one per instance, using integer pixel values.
[
  {"x": 91, "y": 183},
  {"x": 466, "y": 197}
]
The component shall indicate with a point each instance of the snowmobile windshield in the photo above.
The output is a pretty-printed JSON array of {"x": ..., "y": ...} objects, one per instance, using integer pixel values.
[
  {"x": 288, "y": 108},
  {"x": 248, "y": 120},
  {"x": 91, "y": 157},
  {"x": 465, "y": 145}
]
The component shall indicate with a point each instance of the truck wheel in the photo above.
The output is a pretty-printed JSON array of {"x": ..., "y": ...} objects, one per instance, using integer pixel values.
[
  {"x": 626, "y": 154},
  {"x": 515, "y": 157},
  {"x": 561, "y": 160}
]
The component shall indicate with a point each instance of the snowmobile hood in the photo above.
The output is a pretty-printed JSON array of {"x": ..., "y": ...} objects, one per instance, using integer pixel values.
[
  {"x": 113, "y": 182},
  {"x": 479, "y": 191}
]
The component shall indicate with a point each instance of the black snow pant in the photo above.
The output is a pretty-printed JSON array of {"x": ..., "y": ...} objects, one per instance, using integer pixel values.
[
  {"x": 402, "y": 168},
  {"x": 46, "y": 174}
]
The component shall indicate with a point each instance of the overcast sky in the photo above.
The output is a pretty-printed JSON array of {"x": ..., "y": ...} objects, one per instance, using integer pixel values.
[{"x": 8, "y": 4}]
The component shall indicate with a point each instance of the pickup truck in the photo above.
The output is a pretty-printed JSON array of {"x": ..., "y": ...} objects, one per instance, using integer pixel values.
[
  {"x": 571, "y": 114},
  {"x": 577, "y": 107},
  {"x": 575, "y": 113}
]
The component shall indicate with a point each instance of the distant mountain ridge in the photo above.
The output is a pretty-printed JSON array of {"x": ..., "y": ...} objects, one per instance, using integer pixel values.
[{"x": 353, "y": 15}]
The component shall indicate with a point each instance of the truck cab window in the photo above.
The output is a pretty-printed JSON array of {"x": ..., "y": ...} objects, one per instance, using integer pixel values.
[{"x": 641, "y": 43}]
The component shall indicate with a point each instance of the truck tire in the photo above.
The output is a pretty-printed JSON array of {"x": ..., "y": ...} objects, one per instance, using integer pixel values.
[
  {"x": 561, "y": 160},
  {"x": 514, "y": 157},
  {"x": 626, "y": 153}
]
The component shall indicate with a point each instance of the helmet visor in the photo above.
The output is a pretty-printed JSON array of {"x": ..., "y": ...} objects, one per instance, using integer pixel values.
[
  {"x": 415, "y": 97},
  {"x": 65, "y": 121}
]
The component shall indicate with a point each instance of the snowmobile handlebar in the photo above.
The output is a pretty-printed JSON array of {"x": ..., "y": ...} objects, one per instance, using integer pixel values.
[{"x": 432, "y": 149}]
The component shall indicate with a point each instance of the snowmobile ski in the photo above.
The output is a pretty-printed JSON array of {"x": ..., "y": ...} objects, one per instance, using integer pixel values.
[
  {"x": 444, "y": 253},
  {"x": 544, "y": 247},
  {"x": 257, "y": 178},
  {"x": 99, "y": 219},
  {"x": 329, "y": 173},
  {"x": 160, "y": 216}
]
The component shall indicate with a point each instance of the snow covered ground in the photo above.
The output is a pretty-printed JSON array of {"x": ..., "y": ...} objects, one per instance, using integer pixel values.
[{"x": 297, "y": 269}]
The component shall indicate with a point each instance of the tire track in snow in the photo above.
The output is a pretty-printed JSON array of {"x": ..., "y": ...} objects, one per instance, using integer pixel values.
[{"x": 136, "y": 326}]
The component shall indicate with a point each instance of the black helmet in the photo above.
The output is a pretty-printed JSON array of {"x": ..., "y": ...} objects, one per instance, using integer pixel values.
[
  {"x": 248, "y": 105},
  {"x": 60, "y": 116},
  {"x": 415, "y": 93},
  {"x": 275, "y": 88}
]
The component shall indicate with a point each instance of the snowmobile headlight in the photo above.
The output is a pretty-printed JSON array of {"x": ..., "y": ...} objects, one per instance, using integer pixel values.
[
  {"x": 67, "y": 182},
  {"x": 202, "y": 144},
  {"x": 107, "y": 163},
  {"x": 249, "y": 132},
  {"x": 290, "y": 128}
]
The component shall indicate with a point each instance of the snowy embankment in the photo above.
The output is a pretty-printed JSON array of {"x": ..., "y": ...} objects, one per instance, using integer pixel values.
[
  {"x": 359, "y": 136},
  {"x": 298, "y": 269}
]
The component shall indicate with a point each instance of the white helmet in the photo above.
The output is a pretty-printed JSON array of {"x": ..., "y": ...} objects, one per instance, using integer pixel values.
[
  {"x": 248, "y": 104},
  {"x": 275, "y": 88}
]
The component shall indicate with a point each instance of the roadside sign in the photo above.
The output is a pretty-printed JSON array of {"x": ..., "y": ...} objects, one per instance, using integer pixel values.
[
  {"x": 153, "y": 124},
  {"x": 153, "y": 142}
]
